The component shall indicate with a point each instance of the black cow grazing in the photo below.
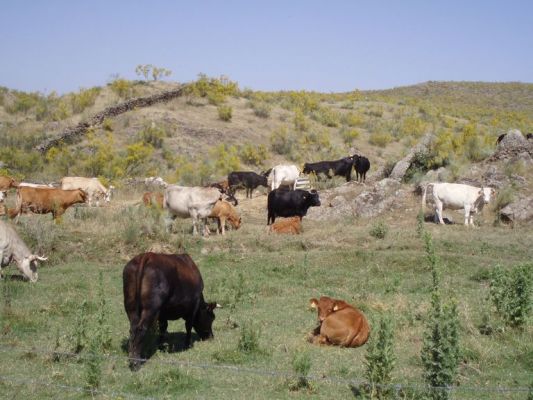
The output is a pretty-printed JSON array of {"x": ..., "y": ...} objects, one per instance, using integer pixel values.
[
  {"x": 500, "y": 138},
  {"x": 166, "y": 287},
  {"x": 247, "y": 180},
  {"x": 361, "y": 165},
  {"x": 290, "y": 203},
  {"x": 342, "y": 167}
]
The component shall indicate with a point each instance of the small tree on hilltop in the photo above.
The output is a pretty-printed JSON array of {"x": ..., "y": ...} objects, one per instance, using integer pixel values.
[{"x": 157, "y": 73}]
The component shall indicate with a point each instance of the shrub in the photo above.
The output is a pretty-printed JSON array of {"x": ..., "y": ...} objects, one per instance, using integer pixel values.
[
  {"x": 353, "y": 119},
  {"x": 261, "y": 109},
  {"x": 379, "y": 230},
  {"x": 380, "y": 358},
  {"x": 440, "y": 349},
  {"x": 326, "y": 116},
  {"x": 148, "y": 69},
  {"x": 249, "y": 339},
  {"x": 225, "y": 112},
  {"x": 349, "y": 135},
  {"x": 84, "y": 99},
  {"x": 153, "y": 135},
  {"x": 510, "y": 292},
  {"x": 380, "y": 139},
  {"x": 300, "y": 122},
  {"x": 253, "y": 155},
  {"x": 122, "y": 88},
  {"x": 282, "y": 142},
  {"x": 412, "y": 126}
]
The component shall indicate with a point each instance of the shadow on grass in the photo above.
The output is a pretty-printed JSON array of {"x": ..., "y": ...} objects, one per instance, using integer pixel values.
[
  {"x": 433, "y": 218},
  {"x": 172, "y": 343}
]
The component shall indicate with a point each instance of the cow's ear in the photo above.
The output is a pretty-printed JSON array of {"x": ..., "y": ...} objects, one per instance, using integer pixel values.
[
  {"x": 335, "y": 307},
  {"x": 212, "y": 306},
  {"x": 313, "y": 303}
]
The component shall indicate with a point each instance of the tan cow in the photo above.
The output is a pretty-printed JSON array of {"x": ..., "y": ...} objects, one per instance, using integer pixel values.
[
  {"x": 43, "y": 201},
  {"x": 153, "y": 199},
  {"x": 92, "y": 186},
  {"x": 223, "y": 211},
  {"x": 291, "y": 225},
  {"x": 7, "y": 183},
  {"x": 340, "y": 323}
]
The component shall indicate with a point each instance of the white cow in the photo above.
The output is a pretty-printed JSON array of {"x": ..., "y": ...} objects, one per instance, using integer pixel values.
[
  {"x": 456, "y": 196},
  {"x": 194, "y": 202},
  {"x": 13, "y": 248},
  {"x": 92, "y": 186},
  {"x": 284, "y": 175}
]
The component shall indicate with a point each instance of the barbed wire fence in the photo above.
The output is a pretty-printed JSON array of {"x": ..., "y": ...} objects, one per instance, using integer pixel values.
[{"x": 396, "y": 388}]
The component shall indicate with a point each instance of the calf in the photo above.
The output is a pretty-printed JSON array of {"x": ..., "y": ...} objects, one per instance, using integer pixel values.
[
  {"x": 223, "y": 211},
  {"x": 153, "y": 199},
  {"x": 12, "y": 247},
  {"x": 342, "y": 167},
  {"x": 7, "y": 183},
  {"x": 46, "y": 200},
  {"x": 290, "y": 203},
  {"x": 361, "y": 165},
  {"x": 339, "y": 323},
  {"x": 458, "y": 196},
  {"x": 247, "y": 180},
  {"x": 291, "y": 225},
  {"x": 164, "y": 287}
]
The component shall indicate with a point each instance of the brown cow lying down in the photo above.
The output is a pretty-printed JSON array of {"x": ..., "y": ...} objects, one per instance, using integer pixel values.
[
  {"x": 43, "y": 201},
  {"x": 152, "y": 199},
  {"x": 291, "y": 225},
  {"x": 340, "y": 323},
  {"x": 223, "y": 211}
]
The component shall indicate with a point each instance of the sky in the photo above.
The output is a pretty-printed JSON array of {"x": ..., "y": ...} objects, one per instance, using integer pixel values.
[{"x": 326, "y": 46}]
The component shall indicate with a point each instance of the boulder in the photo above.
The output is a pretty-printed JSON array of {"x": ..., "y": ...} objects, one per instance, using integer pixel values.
[
  {"x": 519, "y": 211},
  {"x": 401, "y": 167},
  {"x": 385, "y": 195}
]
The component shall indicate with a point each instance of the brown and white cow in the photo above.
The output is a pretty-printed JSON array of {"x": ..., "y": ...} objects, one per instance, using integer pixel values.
[
  {"x": 223, "y": 211},
  {"x": 43, "y": 201},
  {"x": 291, "y": 225},
  {"x": 341, "y": 324},
  {"x": 153, "y": 199}
]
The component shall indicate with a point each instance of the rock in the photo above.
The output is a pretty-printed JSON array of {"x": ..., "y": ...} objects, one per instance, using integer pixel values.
[
  {"x": 385, "y": 195},
  {"x": 519, "y": 211},
  {"x": 401, "y": 167},
  {"x": 514, "y": 146},
  {"x": 513, "y": 138}
]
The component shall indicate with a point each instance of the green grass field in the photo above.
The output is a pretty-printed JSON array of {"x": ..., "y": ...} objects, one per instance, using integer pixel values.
[{"x": 264, "y": 282}]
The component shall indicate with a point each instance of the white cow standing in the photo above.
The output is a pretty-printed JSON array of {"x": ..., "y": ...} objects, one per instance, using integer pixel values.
[
  {"x": 12, "y": 247},
  {"x": 284, "y": 175},
  {"x": 92, "y": 186},
  {"x": 457, "y": 196},
  {"x": 194, "y": 202}
]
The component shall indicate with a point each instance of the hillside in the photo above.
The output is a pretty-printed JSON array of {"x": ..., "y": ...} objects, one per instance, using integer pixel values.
[{"x": 187, "y": 134}]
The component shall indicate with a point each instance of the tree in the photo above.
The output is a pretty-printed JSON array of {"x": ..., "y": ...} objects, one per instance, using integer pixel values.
[{"x": 157, "y": 73}]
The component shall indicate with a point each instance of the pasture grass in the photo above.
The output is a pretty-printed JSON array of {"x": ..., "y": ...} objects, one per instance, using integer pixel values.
[{"x": 264, "y": 283}]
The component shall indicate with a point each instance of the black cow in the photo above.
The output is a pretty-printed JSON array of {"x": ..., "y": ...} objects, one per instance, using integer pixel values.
[
  {"x": 529, "y": 136},
  {"x": 500, "y": 138},
  {"x": 361, "y": 165},
  {"x": 248, "y": 180},
  {"x": 342, "y": 167},
  {"x": 290, "y": 203},
  {"x": 166, "y": 287}
]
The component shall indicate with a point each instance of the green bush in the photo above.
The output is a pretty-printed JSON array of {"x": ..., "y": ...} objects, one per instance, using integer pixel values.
[
  {"x": 326, "y": 116},
  {"x": 253, "y": 155},
  {"x": 225, "y": 112},
  {"x": 510, "y": 292},
  {"x": 301, "y": 365},
  {"x": 249, "y": 339},
  {"x": 379, "y": 230},
  {"x": 380, "y": 358},
  {"x": 122, "y": 88},
  {"x": 83, "y": 99},
  {"x": 349, "y": 135},
  {"x": 282, "y": 142},
  {"x": 153, "y": 135},
  {"x": 380, "y": 139},
  {"x": 353, "y": 119},
  {"x": 261, "y": 109}
]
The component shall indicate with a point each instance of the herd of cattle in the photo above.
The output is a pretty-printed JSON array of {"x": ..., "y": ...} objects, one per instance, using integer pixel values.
[{"x": 168, "y": 287}]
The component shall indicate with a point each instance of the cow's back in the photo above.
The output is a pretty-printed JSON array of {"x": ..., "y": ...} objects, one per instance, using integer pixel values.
[
  {"x": 181, "y": 200},
  {"x": 455, "y": 195},
  {"x": 347, "y": 327}
]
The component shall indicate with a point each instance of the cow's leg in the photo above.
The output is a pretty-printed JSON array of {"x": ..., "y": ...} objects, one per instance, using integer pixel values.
[
  {"x": 222, "y": 225},
  {"x": 468, "y": 215},
  {"x": 138, "y": 332},
  {"x": 1, "y": 270},
  {"x": 438, "y": 210},
  {"x": 163, "y": 326},
  {"x": 206, "y": 228}
]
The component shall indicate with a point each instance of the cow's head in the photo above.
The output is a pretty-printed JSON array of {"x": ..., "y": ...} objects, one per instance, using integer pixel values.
[
  {"x": 324, "y": 307},
  {"x": 312, "y": 198},
  {"x": 3, "y": 196},
  {"x": 485, "y": 193},
  {"x": 81, "y": 196},
  {"x": 203, "y": 323},
  {"x": 28, "y": 266},
  {"x": 235, "y": 221}
]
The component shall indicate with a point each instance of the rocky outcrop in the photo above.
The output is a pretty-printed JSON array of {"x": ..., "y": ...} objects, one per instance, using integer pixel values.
[
  {"x": 519, "y": 211},
  {"x": 513, "y": 146},
  {"x": 401, "y": 167},
  {"x": 74, "y": 132}
]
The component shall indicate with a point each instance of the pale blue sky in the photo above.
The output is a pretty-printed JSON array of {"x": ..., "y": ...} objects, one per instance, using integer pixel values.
[{"x": 328, "y": 46}]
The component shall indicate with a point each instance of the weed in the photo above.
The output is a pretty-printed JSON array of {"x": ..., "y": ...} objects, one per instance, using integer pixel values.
[
  {"x": 379, "y": 230},
  {"x": 301, "y": 365},
  {"x": 225, "y": 112}
]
